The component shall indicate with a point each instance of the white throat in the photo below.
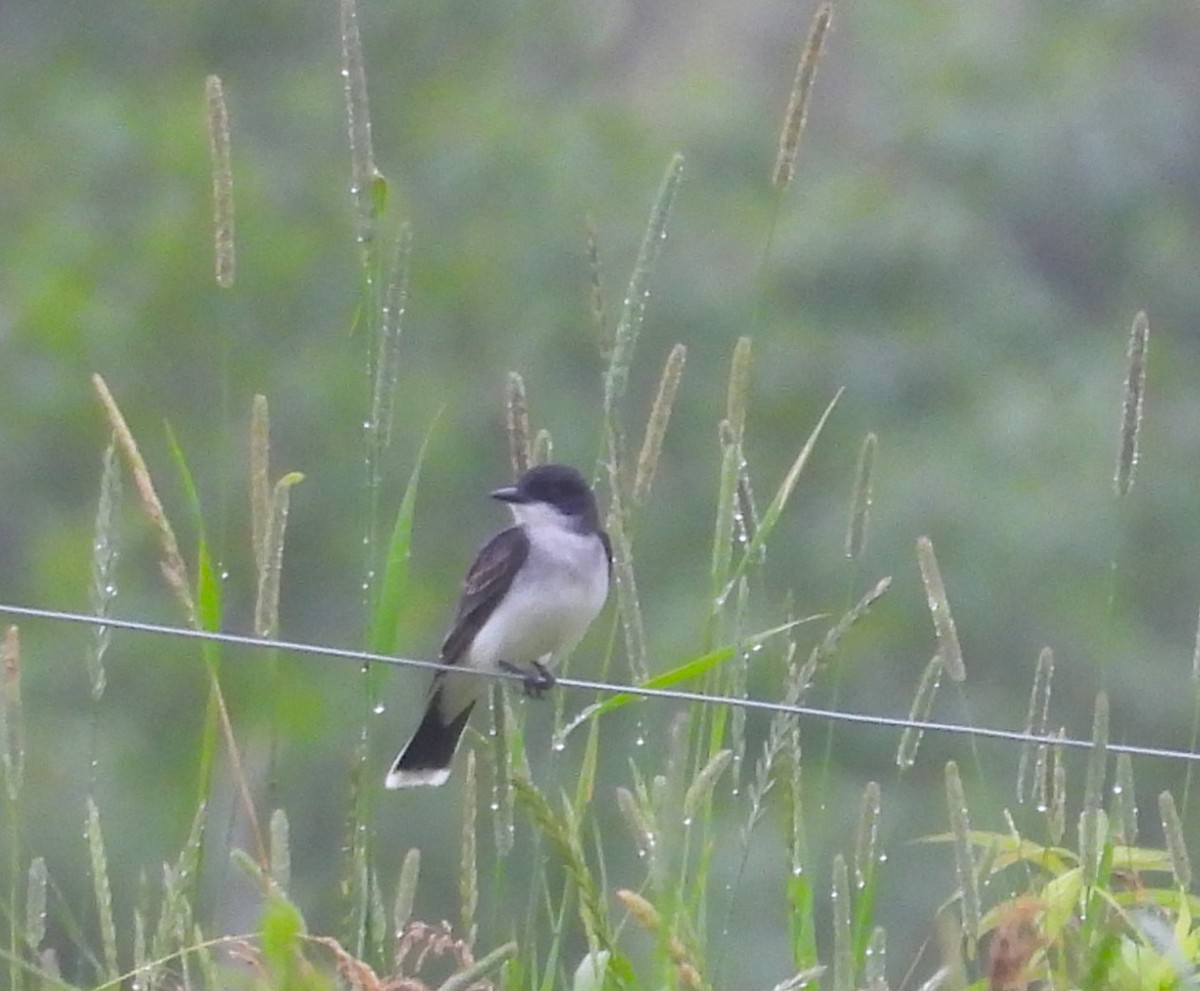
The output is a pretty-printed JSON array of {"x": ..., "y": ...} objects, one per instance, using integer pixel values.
[{"x": 536, "y": 515}]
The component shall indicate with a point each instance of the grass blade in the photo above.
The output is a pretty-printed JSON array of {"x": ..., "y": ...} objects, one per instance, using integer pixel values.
[
  {"x": 738, "y": 389},
  {"x": 867, "y": 835},
  {"x": 12, "y": 714},
  {"x": 628, "y": 606},
  {"x": 964, "y": 859},
  {"x": 1124, "y": 810},
  {"x": 406, "y": 890},
  {"x": 638, "y": 824},
  {"x": 775, "y": 510},
  {"x": 562, "y": 833},
  {"x": 866, "y": 858},
  {"x": 861, "y": 499},
  {"x": 702, "y": 785},
  {"x": 470, "y": 976},
  {"x": 468, "y": 872},
  {"x": 875, "y": 965},
  {"x": 843, "y": 945},
  {"x": 722, "y": 551},
  {"x": 604, "y": 341},
  {"x": 1035, "y": 724},
  {"x": 684, "y": 672},
  {"x": 1056, "y": 814},
  {"x": 35, "y": 904},
  {"x": 260, "y": 478},
  {"x": 1093, "y": 788},
  {"x": 384, "y": 372},
  {"x": 922, "y": 704},
  {"x": 173, "y": 568},
  {"x": 105, "y": 549},
  {"x": 1181, "y": 864},
  {"x": 102, "y": 891},
  {"x": 207, "y": 615},
  {"x": 633, "y": 312},
  {"x": 385, "y": 615},
  {"x": 1093, "y": 838},
  {"x": 363, "y": 174},
  {"x": 208, "y": 584},
  {"x": 801, "y": 911}
]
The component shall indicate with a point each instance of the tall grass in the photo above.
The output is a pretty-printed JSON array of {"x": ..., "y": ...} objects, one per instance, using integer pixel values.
[{"x": 552, "y": 901}]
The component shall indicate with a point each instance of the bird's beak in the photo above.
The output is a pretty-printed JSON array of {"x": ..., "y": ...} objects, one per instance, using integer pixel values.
[{"x": 508, "y": 494}]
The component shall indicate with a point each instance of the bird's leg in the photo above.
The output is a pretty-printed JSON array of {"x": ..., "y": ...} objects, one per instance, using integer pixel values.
[{"x": 536, "y": 681}]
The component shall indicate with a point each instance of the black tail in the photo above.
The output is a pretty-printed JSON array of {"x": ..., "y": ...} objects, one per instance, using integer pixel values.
[{"x": 426, "y": 759}]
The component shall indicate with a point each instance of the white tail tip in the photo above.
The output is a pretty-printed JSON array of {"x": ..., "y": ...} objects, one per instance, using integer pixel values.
[{"x": 426, "y": 777}]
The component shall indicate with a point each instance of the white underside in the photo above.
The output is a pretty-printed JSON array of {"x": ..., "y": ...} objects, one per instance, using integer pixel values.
[{"x": 551, "y": 603}]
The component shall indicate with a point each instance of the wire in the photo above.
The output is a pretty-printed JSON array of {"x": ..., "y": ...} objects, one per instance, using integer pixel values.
[{"x": 760, "y": 705}]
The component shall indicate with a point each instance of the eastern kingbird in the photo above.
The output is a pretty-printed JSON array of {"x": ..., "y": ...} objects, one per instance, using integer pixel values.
[{"x": 532, "y": 592}]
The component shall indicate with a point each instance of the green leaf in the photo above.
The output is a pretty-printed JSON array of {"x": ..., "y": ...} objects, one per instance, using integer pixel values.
[
  {"x": 208, "y": 613},
  {"x": 279, "y": 936},
  {"x": 684, "y": 672},
  {"x": 356, "y": 319},
  {"x": 378, "y": 193},
  {"x": 386, "y": 612},
  {"x": 208, "y": 584},
  {"x": 771, "y": 516},
  {"x": 803, "y": 923}
]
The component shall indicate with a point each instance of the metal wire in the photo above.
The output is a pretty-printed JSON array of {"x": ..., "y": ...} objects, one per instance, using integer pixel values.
[{"x": 760, "y": 705}]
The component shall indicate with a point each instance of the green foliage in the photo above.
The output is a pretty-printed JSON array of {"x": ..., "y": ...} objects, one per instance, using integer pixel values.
[
  {"x": 281, "y": 930},
  {"x": 385, "y": 613},
  {"x": 984, "y": 198},
  {"x": 1122, "y": 929}
]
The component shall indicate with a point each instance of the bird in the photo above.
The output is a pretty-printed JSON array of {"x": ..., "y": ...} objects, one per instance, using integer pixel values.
[{"x": 527, "y": 600}]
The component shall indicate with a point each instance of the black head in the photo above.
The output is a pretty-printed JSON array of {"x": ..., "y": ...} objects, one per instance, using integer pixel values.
[{"x": 559, "y": 487}]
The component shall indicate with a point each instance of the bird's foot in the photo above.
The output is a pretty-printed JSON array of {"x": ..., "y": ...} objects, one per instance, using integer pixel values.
[{"x": 536, "y": 682}]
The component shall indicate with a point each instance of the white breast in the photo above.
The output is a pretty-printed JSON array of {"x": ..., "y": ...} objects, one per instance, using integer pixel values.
[{"x": 550, "y": 604}]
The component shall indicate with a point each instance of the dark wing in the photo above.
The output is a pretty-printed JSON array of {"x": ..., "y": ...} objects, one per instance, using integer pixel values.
[{"x": 486, "y": 583}]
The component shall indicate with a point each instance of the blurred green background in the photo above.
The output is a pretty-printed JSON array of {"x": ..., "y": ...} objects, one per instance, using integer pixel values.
[{"x": 987, "y": 193}]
